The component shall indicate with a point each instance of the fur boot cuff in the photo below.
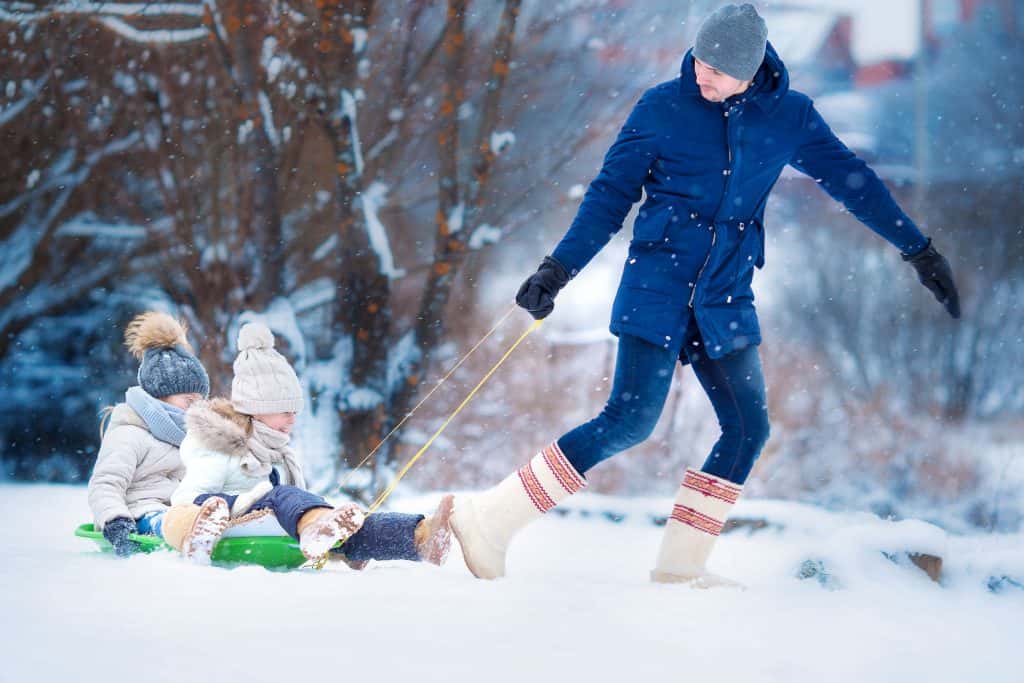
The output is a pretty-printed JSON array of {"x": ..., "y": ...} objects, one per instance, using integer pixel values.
[{"x": 245, "y": 501}]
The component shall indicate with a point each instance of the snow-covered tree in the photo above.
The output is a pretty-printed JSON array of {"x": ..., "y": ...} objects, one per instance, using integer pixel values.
[{"x": 334, "y": 165}]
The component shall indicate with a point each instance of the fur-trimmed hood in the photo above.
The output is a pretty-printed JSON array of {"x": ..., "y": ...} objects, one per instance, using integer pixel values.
[{"x": 217, "y": 426}]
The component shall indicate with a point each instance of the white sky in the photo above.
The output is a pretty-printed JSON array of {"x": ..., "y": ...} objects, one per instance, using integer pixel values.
[{"x": 882, "y": 29}]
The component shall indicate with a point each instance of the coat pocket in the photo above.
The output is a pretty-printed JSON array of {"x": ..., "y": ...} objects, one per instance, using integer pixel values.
[
  {"x": 652, "y": 222},
  {"x": 730, "y": 328},
  {"x": 759, "y": 252},
  {"x": 749, "y": 253}
]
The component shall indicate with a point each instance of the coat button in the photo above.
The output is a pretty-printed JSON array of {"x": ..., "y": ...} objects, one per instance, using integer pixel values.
[
  {"x": 726, "y": 172},
  {"x": 742, "y": 226},
  {"x": 693, "y": 215}
]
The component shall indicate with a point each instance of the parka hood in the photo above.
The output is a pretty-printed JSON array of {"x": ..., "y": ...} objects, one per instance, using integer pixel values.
[{"x": 771, "y": 82}]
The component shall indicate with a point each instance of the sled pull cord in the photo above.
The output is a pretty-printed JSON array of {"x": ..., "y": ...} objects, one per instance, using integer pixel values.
[
  {"x": 412, "y": 461},
  {"x": 437, "y": 386}
]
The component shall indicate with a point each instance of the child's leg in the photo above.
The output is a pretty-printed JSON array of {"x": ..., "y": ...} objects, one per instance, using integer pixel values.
[
  {"x": 397, "y": 536},
  {"x": 312, "y": 520},
  {"x": 290, "y": 504},
  {"x": 150, "y": 523},
  {"x": 384, "y": 536}
]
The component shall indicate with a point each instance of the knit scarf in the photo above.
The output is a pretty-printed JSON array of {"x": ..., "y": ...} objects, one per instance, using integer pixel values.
[
  {"x": 269, "y": 447},
  {"x": 165, "y": 422}
]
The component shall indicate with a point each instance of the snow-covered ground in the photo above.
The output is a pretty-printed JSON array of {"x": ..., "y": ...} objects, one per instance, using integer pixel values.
[{"x": 577, "y": 605}]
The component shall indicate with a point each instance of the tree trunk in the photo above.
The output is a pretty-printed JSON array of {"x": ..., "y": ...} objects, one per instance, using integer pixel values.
[{"x": 363, "y": 304}]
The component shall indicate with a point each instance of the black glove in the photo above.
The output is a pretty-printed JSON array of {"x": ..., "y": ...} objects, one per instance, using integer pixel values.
[
  {"x": 116, "y": 531},
  {"x": 934, "y": 273},
  {"x": 537, "y": 294}
]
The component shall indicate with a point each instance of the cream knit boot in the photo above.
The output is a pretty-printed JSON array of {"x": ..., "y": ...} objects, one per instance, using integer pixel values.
[
  {"x": 699, "y": 513},
  {"x": 485, "y": 523}
]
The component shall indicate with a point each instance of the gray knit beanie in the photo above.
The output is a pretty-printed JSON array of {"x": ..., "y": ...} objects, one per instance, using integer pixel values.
[
  {"x": 264, "y": 381},
  {"x": 167, "y": 365},
  {"x": 732, "y": 39}
]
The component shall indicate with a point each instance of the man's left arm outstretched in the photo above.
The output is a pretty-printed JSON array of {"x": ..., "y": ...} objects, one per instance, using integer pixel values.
[{"x": 849, "y": 180}]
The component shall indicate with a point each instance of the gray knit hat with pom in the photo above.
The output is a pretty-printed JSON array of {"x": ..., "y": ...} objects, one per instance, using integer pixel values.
[
  {"x": 264, "y": 381},
  {"x": 733, "y": 39},
  {"x": 168, "y": 365}
]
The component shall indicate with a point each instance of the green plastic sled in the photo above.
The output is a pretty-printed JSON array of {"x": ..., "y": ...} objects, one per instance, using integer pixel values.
[{"x": 272, "y": 552}]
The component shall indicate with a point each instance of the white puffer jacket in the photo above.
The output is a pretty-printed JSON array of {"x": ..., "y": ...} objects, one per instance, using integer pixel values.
[
  {"x": 135, "y": 472},
  {"x": 212, "y": 452}
]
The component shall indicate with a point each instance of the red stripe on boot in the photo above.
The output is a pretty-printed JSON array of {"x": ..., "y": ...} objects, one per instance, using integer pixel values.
[
  {"x": 563, "y": 470},
  {"x": 692, "y": 518},
  {"x": 691, "y": 513},
  {"x": 707, "y": 485},
  {"x": 538, "y": 496}
]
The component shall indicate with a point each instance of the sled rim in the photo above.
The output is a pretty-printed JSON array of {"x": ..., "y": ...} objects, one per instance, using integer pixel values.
[{"x": 271, "y": 552}]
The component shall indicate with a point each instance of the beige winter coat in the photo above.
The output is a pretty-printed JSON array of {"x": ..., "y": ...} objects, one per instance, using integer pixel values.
[{"x": 135, "y": 472}]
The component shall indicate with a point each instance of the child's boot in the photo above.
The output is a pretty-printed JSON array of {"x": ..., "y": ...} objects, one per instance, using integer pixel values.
[
  {"x": 433, "y": 535},
  {"x": 320, "y": 529},
  {"x": 195, "y": 529},
  {"x": 485, "y": 523}
]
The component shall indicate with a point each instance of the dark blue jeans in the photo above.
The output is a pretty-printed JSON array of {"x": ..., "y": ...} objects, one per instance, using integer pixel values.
[
  {"x": 643, "y": 375},
  {"x": 383, "y": 536}
]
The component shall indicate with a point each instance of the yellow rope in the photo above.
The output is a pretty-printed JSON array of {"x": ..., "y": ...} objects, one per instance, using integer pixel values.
[
  {"x": 437, "y": 386},
  {"x": 405, "y": 469},
  {"x": 319, "y": 562}
]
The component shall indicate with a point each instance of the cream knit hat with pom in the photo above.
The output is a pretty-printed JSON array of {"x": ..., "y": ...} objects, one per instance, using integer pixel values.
[{"x": 264, "y": 381}]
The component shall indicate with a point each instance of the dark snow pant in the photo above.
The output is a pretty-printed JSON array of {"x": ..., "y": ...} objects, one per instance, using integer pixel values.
[
  {"x": 643, "y": 375},
  {"x": 383, "y": 536}
]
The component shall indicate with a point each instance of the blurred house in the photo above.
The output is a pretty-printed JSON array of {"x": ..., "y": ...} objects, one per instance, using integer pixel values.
[
  {"x": 894, "y": 79},
  {"x": 859, "y": 59}
]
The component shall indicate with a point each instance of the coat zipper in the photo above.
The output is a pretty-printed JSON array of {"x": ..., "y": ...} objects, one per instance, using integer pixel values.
[
  {"x": 728, "y": 171},
  {"x": 714, "y": 233},
  {"x": 707, "y": 258}
]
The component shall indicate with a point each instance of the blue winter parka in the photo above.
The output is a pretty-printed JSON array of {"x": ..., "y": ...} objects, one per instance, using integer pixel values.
[{"x": 707, "y": 169}]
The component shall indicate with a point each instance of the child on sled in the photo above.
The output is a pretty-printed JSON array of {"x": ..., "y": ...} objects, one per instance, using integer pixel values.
[
  {"x": 239, "y": 464},
  {"x": 138, "y": 465}
]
